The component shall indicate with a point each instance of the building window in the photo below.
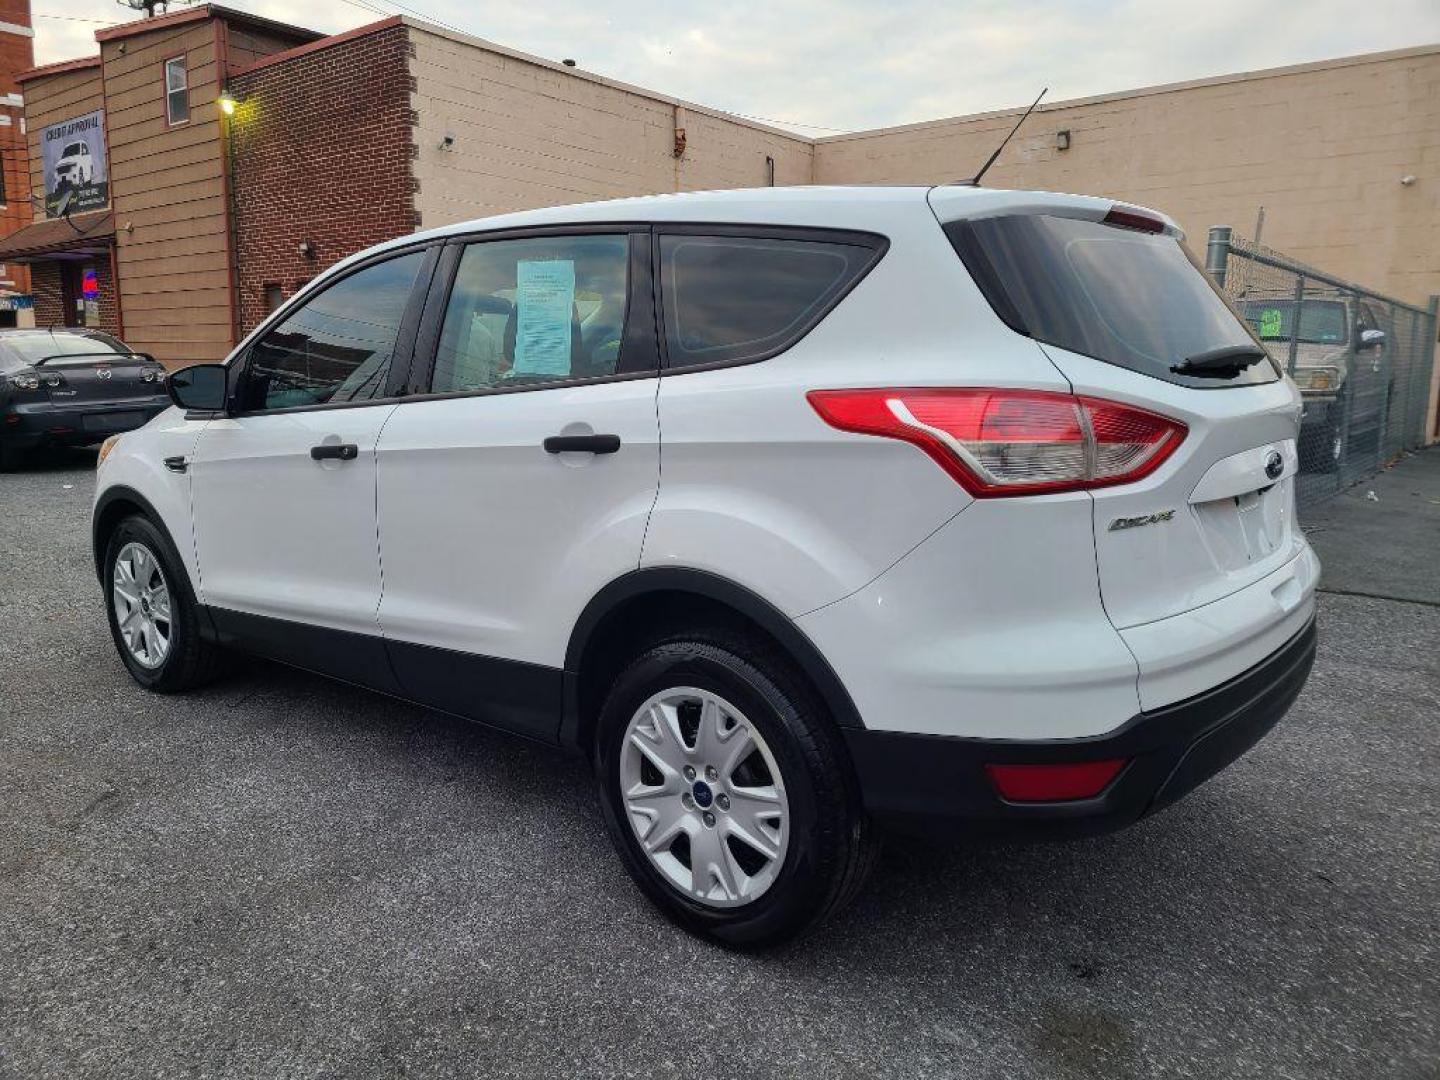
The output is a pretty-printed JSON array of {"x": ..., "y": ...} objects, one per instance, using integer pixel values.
[
  {"x": 177, "y": 91},
  {"x": 274, "y": 297}
]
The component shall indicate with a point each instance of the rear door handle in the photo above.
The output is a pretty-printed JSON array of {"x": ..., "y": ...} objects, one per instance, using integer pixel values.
[
  {"x": 335, "y": 452},
  {"x": 582, "y": 444}
]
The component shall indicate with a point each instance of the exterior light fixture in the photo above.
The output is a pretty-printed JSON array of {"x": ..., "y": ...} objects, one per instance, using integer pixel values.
[
  {"x": 227, "y": 102},
  {"x": 1062, "y": 139}
]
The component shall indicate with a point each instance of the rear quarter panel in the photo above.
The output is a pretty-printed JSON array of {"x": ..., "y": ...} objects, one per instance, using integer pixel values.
[{"x": 755, "y": 487}]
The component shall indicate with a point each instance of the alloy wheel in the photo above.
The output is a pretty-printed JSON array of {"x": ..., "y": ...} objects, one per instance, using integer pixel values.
[
  {"x": 141, "y": 598},
  {"x": 705, "y": 797}
]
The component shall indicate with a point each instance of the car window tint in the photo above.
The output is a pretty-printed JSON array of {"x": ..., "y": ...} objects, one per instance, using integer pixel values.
[
  {"x": 533, "y": 311},
  {"x": 1130, "y": 298},
  {"x": 339, "y": 345},
  {"x": 729, "y": 298},
  {"x": 53, "y": 346}
]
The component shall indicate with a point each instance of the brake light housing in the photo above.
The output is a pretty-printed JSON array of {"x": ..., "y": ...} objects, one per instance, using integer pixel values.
[
  {"x": 1127, "y": 217},
  {"x": 997, "y": 442}
]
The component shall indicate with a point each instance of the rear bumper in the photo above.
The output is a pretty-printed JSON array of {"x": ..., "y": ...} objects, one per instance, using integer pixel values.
[
  {"x": 936, "y": 783},
  {"x": 48, "y": 423}
]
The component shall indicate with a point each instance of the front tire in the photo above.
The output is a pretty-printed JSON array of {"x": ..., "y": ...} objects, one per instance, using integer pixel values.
[
  {"x": 154, "y": 618},
  {"x": 728, "y": 793}
]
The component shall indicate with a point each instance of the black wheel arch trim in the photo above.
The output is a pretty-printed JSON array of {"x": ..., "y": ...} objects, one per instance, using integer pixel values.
[
  {"x": 108, "y": 498},
  {"x": 714, "y": 587},
  {"x": 120, "y": 493}
]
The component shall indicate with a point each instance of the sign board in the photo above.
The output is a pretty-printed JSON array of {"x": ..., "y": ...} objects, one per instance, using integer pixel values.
[
  {"x": 545, "y": 306},
  {"x": 77, "y": 174}
]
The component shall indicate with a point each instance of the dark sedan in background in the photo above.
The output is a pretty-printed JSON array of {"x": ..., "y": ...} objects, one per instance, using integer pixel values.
[{"x": 71, "y": 388}]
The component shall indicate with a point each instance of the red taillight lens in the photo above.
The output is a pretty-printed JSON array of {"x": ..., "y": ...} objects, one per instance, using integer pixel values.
[
  {"x": 1054, "y": 783},
  {"x": 1128, "y": 217},
  {"x": 1011, "y": 442}
]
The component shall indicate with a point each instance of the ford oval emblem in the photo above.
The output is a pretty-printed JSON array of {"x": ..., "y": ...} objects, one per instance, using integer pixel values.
[{"x": 1274, "y": 465}]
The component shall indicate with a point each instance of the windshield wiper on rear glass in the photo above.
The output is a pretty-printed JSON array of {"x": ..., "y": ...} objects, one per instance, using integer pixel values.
[{"x": 1223, "y": 363}]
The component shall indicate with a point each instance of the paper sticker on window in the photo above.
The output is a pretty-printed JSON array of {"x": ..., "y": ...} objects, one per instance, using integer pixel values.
[
  {"x": 545, "y": 311},
  {"x": 1272, "y": 323}
]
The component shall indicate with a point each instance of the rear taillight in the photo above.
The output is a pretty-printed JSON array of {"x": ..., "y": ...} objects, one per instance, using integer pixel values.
[{"x": 1011, "y": 442}]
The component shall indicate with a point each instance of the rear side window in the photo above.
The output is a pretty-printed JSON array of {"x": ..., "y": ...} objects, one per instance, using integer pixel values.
[
  {"x": 1133, "y": 299},
  {"x": 732, "y": 299},
  {"x": 534, "y": 311}
]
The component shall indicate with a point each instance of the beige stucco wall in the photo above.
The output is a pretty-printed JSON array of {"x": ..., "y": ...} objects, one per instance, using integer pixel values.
[
  {"x": 1322, "y": 147},
  {"x": 531, "y": 133}
]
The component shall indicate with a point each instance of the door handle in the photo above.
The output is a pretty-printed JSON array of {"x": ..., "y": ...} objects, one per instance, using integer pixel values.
[
  {"x": 582, "y": 444},
  {"x": 335, "y": 452}
]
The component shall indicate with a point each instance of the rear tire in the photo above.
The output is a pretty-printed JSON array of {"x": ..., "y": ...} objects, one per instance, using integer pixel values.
[
  {"x": 793, "y": 794},
  {"x": 154, "y": 618},
  {"x": 9, "y": 457}
]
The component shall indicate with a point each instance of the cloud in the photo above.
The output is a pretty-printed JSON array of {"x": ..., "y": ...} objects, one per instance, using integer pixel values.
[{"x": 850, "y": 64}]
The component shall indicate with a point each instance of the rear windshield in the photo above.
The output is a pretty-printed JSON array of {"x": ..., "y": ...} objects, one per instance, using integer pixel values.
[
  {"x": 52, "y": 348},
  {"x": 1322, "y": 322},
  {"x": 1134, "y": 299}
]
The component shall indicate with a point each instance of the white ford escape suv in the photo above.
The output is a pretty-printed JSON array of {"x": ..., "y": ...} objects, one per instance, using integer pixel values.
[{"x": 795, "y": 510}]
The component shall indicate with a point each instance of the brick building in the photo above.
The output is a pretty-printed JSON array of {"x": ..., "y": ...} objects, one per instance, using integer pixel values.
[
  {"x": 17, "y": 54},
  {"x": 210, "y": 218}
]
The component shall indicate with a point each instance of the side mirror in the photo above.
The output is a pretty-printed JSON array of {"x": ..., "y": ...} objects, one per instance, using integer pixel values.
[
  {"x": 1370, "y": 338},
  {"x": 201, "y": 387}
]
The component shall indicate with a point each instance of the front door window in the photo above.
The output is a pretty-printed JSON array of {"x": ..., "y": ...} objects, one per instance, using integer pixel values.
[{"x": 339, "y": 345}]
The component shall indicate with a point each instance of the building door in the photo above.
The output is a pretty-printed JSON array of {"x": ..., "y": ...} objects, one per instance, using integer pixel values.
[{"x": 80, "y": 293}]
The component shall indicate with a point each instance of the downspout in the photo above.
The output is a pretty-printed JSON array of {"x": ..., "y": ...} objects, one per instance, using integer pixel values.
[
  {"x": 115, "y": 278},
  {"x": 227, "y": 165},
  {"x": 109, "y": 179},
  {"x": 678, "y": 118}
]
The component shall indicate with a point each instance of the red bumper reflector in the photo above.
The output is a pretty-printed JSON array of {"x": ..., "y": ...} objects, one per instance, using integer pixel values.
[{"x": 1054, "y": 783}]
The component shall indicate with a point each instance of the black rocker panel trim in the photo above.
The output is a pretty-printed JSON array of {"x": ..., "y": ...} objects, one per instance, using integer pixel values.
[
  {"x": 509, "y": 694},
  {"x": 360, "y": 659},
  {"x": 512, "y": 695}
]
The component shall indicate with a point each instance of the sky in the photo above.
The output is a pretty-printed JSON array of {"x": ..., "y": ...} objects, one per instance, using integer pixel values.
[{"x": 846, "y": 65}]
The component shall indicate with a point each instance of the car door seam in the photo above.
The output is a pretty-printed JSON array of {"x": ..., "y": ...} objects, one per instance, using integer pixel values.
[{"x": 379, "y": 549}]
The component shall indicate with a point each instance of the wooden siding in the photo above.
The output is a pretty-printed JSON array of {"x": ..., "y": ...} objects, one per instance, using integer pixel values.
[
  {"x": 169, "y": 196},
  {"x": 250, "y": 43}
]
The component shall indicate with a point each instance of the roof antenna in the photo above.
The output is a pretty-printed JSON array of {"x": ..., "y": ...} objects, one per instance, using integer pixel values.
[{"x": 975, "y": 180}]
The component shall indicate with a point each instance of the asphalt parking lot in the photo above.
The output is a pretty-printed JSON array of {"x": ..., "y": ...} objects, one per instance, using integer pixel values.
[{"x": 285, "y": 877}]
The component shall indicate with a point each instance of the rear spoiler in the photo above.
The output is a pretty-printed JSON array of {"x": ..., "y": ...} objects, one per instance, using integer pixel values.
[{"x": 114, "y": 357}]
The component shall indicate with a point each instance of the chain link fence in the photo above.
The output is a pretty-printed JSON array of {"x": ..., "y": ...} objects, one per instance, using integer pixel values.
[{"x": 1363, "y": 361}]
